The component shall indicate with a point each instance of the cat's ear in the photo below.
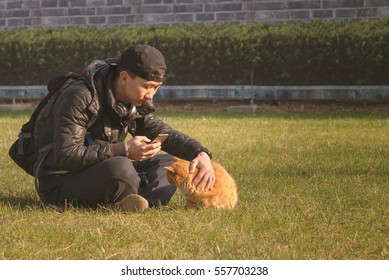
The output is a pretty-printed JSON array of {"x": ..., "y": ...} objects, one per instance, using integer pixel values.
[{"x": 169, "y": 168}]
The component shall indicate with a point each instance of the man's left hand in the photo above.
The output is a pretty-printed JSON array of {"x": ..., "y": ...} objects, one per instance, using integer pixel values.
[{"x": 205, "y": 178}]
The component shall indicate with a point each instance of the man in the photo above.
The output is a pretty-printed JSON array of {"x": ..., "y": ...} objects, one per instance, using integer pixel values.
[{"x": 91, "y": 163}]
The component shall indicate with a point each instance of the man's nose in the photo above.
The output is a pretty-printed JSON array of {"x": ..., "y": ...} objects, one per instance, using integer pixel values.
[{"x": 149, "y": 95}]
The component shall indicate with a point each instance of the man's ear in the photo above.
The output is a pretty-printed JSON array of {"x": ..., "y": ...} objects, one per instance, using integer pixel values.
[{"x": 123, "y": 76}]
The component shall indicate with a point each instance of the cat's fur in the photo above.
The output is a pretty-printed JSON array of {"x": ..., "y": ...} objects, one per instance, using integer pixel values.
[{"x": 223, "y": 195}]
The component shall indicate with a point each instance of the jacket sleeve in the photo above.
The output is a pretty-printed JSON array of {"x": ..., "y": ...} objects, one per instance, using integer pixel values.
[
  {"x": 71, "y": 119},
  {"x": 177, "y": 144}
]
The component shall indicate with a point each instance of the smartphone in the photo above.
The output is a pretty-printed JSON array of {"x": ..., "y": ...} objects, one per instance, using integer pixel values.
[{"x": 160, "y": 138}]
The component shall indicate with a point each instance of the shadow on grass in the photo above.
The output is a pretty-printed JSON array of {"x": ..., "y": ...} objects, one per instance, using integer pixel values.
[
  {"x": 21, "y": 202},
  {"x": 27, "y": 203}
]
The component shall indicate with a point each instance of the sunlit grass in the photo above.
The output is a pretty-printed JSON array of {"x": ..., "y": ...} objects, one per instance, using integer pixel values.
[{"x": 312, "y": 185}]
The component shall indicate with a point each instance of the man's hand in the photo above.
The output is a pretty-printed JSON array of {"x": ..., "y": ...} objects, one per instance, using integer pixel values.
[
  {"x": 138, "y": 149},
  {"x": 205, "y": 178}
]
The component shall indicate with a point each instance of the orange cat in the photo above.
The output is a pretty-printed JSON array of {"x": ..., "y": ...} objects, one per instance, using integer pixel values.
[{"x": 223, "y": 194}]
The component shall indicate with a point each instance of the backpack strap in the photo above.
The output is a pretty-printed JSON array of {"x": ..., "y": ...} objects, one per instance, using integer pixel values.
[{"x": 46, "y": 150}]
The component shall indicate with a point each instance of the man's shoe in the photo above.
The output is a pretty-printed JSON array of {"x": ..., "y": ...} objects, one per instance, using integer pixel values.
[{"x": 132, "y": 203}]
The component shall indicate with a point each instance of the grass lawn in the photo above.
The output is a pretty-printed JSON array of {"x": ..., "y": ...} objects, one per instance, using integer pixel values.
[{"x": 312, "y": 185}]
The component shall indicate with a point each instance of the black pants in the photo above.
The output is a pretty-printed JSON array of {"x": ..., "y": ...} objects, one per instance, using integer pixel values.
[{"x": 109, "y": 182}]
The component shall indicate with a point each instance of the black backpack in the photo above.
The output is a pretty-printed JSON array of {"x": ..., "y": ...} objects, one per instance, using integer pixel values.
[{"x": 24, "y": 151}]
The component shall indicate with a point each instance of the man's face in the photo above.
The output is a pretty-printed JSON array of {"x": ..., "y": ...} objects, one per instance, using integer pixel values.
[{"x": 136, "y": 90}]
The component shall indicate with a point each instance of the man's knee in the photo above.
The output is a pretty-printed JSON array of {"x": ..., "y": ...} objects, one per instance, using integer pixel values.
[
  {"x": 165, "y": 159},
  {"x": 120, "y": 168},
  {"x": 123, "y": 176}
]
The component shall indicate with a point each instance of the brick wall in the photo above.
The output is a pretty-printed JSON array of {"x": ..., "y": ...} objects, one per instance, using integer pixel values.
[{"x": 33, "y": 13}]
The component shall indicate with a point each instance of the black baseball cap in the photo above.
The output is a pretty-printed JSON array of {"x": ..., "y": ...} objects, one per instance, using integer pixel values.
[{"x": 142, "y": 60}]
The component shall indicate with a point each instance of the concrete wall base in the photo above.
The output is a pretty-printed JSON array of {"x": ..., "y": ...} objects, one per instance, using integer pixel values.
[{"x": 210, "y": 92}]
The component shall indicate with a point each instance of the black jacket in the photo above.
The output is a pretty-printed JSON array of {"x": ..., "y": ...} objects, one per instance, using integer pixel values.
[{"x": 85, "y": 129}]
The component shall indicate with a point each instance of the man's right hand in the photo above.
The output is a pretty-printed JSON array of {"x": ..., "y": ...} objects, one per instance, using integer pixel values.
[{"x": 138, "y": 149}]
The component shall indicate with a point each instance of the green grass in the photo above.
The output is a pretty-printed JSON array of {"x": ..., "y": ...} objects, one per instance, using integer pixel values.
[{"x": 312, "y": 185}]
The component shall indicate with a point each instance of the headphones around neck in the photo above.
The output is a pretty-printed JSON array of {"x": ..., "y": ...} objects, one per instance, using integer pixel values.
[{"x": 125, "y": 111}]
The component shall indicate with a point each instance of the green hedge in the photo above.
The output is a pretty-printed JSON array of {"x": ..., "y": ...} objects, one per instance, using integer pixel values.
[{"x": 315, "y": 53}]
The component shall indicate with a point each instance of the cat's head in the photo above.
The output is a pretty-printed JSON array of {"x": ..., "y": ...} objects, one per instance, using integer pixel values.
[{"x": 178, "y": 174}]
